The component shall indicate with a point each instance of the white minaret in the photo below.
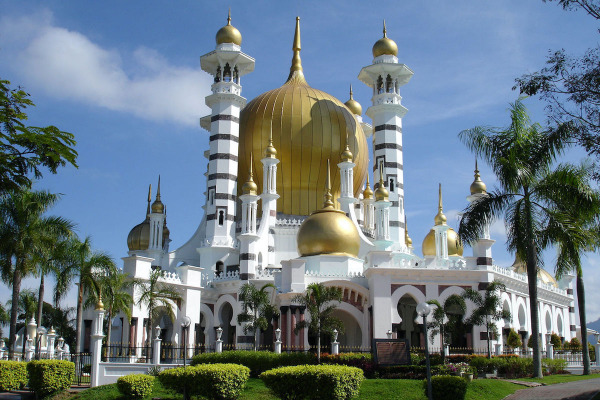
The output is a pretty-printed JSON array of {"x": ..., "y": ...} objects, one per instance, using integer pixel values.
[
  {"x": 441, "y": 230},
  {"x": 382, "y": 215},
  {"x": 157, "y": 221},
  {"x": 269, "y": 196},
  {"x": 248, "y": 236},
  {"x": 346, "y": 167},
  {"x": 386, "y": 76},
  {"x": 227, "y": 64},
  {"x": 368, "y": 208},
  {"x": 482, "y": 248}
]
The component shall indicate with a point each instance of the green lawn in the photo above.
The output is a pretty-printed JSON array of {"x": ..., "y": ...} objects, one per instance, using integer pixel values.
[{"x": 552, "y": 379}]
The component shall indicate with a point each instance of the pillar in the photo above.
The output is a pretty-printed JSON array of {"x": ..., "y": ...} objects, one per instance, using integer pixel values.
[{"x": 96, "y": 345}]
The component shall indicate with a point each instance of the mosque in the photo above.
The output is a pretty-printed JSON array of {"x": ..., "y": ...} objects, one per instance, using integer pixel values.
[{"x": 289, "y": 201}]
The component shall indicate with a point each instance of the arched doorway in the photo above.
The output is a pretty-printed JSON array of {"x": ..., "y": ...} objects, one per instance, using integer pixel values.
[
  {"x": 351, "y": 339},
  {"x": 408, "y": 328},
  {"x": 226, "y": 316}
]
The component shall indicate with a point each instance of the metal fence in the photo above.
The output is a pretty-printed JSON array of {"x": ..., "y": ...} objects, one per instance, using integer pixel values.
[{"x": 117, "y": 352}]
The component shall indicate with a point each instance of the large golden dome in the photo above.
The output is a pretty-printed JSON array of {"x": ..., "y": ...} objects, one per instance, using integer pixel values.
[
  {"x": 328, "y": 231},
  {"x": 308, "y": 128},
  {"x": 139, "y": 236},
  {"x": 385, "y": 45},
  {"x": 520, "y": 267},
  {"x": 229, "y": 33},
  {"x": 455, "y": 247}
]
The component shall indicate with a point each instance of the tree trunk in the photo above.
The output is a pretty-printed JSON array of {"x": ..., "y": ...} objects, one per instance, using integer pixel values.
[
  {"x": 79, "y": 318},
  {"x": 487, "y": 334},
  {"x": 442, "y": 348},
  {"x": 583, "y": 323},
  {"x": 14, "y": 312},
  {"x": 40, "y": 302},
  {"x": 533, "y": 295}
]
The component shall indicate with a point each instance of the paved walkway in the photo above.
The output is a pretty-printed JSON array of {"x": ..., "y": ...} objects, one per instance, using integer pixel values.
[{"x": 578, "y": 390}]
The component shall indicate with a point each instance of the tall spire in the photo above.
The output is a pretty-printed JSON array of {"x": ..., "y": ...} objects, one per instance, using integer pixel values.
[
  {"x": 149, "y": 200},
  {"x": 351, "y": 97},
  {"x": 328, "y": 204},
  {"x": 229, "y": 17},
  {"x": 440, "y": 218},
  {"x": 347, "y": 155},
  {"x": 384, "y": 29},
  {"x": 158, "y": 206},
  {"x": 158, "y": 190},
  {"x": 270, "y": 151},
  {"x": 250, "y": 187},
  {"x": 296, "y": 74},
  {"x": 478, "y": 186},
  {"x": 381, "y": 193}
]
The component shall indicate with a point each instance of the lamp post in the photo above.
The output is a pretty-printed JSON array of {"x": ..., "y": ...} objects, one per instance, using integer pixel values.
[
  {"x": 423, "y": 309},
  {"x": 185, "y": 325}
]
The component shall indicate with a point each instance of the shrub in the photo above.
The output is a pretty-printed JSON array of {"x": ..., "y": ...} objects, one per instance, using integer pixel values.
[
  {"x": 556, "y": 341},
  {"x": 458, "y": 358},
  {"x": 516, "y": 367},
  {"x": 13, "y": 375},
  {"x": 447, "y": 387},
  {"x": 574, "y": 344},
  {"x": 410, "y": 371},
  {"x": 483, "y": 365},
  {"x": 513, "y": 340},
  {"x": 592, "y": 351},
  {"x": 363, "y": 361},
  {"x": 135, "y": 386},
  {"x": 213, "y": 381},
  {"x": 257, "y": 361},
  {"x": 47, "y": 377},
  {"x": 324, "y": 382},
  {"x": 555, "y": 366}
]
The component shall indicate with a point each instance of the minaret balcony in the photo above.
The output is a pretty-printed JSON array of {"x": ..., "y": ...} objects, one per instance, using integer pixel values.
[{"x": 226, "y": 87}]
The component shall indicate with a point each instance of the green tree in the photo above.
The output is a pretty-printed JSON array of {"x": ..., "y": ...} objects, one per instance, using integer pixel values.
[
  {"x": 155, "y": 295},
  {"x": 555, "y": 340},
  {"x": 63, "y": 321},
  {"x": 521, "y": 156},
  {"x": 23, "y": 230},
  {"x": 488, "y": 309},
  {"x": 257, "y": 308},
  {"x": 87, "y": 266},
  {"x": 446, "y": 317},
  {"x": 25, "y": 150},
  {"x": 513, "y": 340},
  {"x": 320, "y": 302}
]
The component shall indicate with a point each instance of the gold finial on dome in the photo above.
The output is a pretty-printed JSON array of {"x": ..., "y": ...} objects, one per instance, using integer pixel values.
[
  {"x": 228, "y": 33},
  {"x": 407, "y": 238},
  {"x": 270, "y": 151},
  {"x": 149, "y": 200},
  {"x": 99, "y": 304},
  {"x": 440, "y": 218},
  {"x": 381, "y": 193},
  {"x": 353, "y": 105},
  {"x": 250, "y": 187},
  {"x": 385, "y": 45},
  {"x": 296, "y": 74},
  {"x": 478, "y": 187},
  {"x": 368, "y": 193},
  {"x": 347, "y": 155},
  {"x": 328, "y": 203},
  {"x": 158, "y": 207}
]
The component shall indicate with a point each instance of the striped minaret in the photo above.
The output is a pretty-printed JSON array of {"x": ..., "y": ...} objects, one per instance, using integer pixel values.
[
  {"x": 385, "y": 76},
  {"x": 226, "y": 64}
]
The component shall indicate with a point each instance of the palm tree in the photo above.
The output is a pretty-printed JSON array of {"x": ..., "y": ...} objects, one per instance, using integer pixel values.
[
  {"x": 88, "y": 266},
  {"x": 156, "y": 295},
  {"x": 115, "y": 287},
  {"x": 446, "y": 317},
  {"x": 320, "y": 301},
  {"x": 257, "y": 308},
  {"x": 488, "y": 309},
  {"x": 4, "y": 318},
  {"x": 571, "y": 244},
  {"x": 23, "y": 230},
  {"x": 521, "y": 155}
]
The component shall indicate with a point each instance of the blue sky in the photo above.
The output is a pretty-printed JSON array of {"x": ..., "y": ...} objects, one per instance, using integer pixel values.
[{"x": 124, "y": 77}]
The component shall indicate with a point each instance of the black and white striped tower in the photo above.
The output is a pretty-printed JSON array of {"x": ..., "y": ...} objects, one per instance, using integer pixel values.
[
  {"x": 227, "y": 64},
  {"x": 386, "y": 75}
]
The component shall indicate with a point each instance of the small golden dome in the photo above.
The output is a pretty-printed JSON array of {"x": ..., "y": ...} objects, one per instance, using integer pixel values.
[
  {"x": 381, "y": 193},
  {"x": 520, "y": 267},
  {"x": 440, "y": 218},
  {"x": 250, "y": 187},
  {"x": 385, "y": 45},
  {"x": 368, "y": 193},
  {"x": 139, "y": 236},
  {"x": 346, "y": 155},
  {"x": 158, "y": 207},
  {"x": 270, "y": 151},
  {"x": 478, "y": 187},
  {"x": 454, "y": 246},
  {"x": 328, "y": 231},
  {"x": 228, "y": 33},
  {"x": 353, "y": 105},
  {"x": 100, "y": 304}
]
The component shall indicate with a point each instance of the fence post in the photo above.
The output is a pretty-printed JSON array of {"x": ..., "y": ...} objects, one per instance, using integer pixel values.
[
  {"x": 550, "y": 351},
  {"x": 219, "y": 344},
  {"x": 277, "y": 341},
  {"x": 498, "y": 349},
  {"x": 29, "y": 350},
  {"x": 335, "y": 345},
  {"x": 156, "y": 346},
  {"x": 96, "y": 345},
  {"x": 51, "y": 337}
]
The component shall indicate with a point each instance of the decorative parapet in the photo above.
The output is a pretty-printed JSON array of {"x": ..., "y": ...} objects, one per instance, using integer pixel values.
[
  {"x": 170, "y": 277},
  {"x": 350, "y": 275},
  {"x": 523, "y": 278},
  {"x": 265, "y": 274},
  {"x": 220, "y": 243},
  {"x": 291, "y": 222},
  {"x": 227, "y": 276}
]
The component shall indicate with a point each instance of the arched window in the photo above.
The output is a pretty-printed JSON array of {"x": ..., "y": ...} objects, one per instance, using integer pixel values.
[
  {"x": 379, "y": 85},
  {"x": 236, "y": 75},
  {"x": 391, "y": 185},
  {"x": 218, "y": 74},
  {"x": 221, "y": 217},
  {"x": 389, "y": 86},
  {"x": 227, "y": 73},
  {"x": 219, "y": 268}
]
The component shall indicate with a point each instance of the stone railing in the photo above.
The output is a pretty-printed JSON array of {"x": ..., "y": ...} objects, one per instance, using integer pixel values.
[
  {"x": 170, "y": 277},
  {"x": 227, "y": 276},
  {"x": 319, "y": 274}
]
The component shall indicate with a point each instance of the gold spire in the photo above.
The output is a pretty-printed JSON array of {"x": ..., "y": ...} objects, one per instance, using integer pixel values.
[
  {"x": 296, "y": 74},
  {"x": 384, "y": 28},
  {"x": 149, "y": 200},
  {"x": 385, "y": 45},
  {"x": 228, "y": 33},
  {"x": 99, "y": 304},
  {"x": 407, "y": 238},
  {"x": 347, "y": 155},
  {"x": 368, "y": 193},
  {"x": 353, "y": 105},
  {"x": 440, "y": 218},
  {"x": 381, "y": 193},
  {"x": 270, "y": 151},
  {"x": 478, "y": 187},
  {"x": 250, "y": 187},
  {"x": 229, "y": 20},
  {"x": 158, "y": 207},
  {"x": 328, "y": 204}
]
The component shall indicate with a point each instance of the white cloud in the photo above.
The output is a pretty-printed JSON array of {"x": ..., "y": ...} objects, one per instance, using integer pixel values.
[{"x": 67, "y": 65}]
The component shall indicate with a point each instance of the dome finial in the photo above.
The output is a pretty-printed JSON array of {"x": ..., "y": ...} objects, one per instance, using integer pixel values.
[
  {"x": 407, "y": 239},
  {"x": 296, "y": 74},
  {"x": 158, "y": 207},
  {"x": 270, "y": 151},
  {"x": 368, "y": 193},
  {"x": 347, "y": 155},
  {"x": 353, "y": 105},
  {"x": 384, "y": 29},
  {"x": 250, "y": 187},
  {"x": 228, "y": 33},
  {"x": 478, "y": 187},
  {"x": 158, "y": 190},
  {"x": 381, "y": 193},
  {"x": 328, "y": 204},
  {"x": 351, "y": 97},
  {"x": 440, "y": 218},
  {"x": 385, "y": 45},
  {"x": 229, "y": 17},
  {"x": 149, "y": 201}
]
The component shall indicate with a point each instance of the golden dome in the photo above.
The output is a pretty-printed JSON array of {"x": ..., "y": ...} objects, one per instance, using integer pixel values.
[
  {"x": 228, "y": 33},
  {"x": 454, "y": 246},
  {"x": 308, "y": 127},
  {"x": 385, "y": 45},
  {"x": 353, "y": 105},
  {"x": 100, "y": 304},
  {"x": 328, "y": 231},
  {"x": 368, "y": 193},
  {"x": 250, "y": 187},
  {"x": 346, "y": 155},
  {"x": 520, "y": 267},
  {"x": 478, "y": 187},
  {"x": 139, "y": 236},
  {"x": 158, "y": 207},
  {"x": 270, "y": 151},
  {"x": 381, "y": 193}
]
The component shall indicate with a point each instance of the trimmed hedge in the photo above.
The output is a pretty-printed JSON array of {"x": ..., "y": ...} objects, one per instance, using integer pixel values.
[
  {"x": 135, "y": 386},
  {"x": 13, "y": 375},
  {"x": 410, "y": 371},
  {"x": 554, "y": 366},
  {"x": 257, "y": 361},
  {"x": 213, "y": 381},
  {"x": 315, "y": 382},
  {"x": 363, "y": 361},
  {"x": 447, "y": 387},
  {"x": 48, "y": 377}
]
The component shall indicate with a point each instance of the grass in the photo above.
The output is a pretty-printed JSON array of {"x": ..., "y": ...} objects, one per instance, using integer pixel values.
[{"x": 553, "y": 379}]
